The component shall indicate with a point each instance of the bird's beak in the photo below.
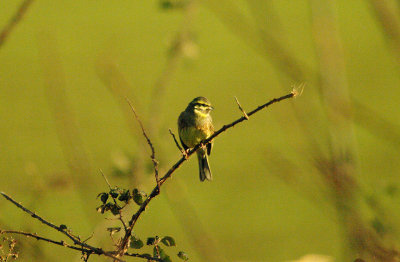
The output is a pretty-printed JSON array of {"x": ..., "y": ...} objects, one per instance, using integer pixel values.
[{"x": 212, "y": 108}]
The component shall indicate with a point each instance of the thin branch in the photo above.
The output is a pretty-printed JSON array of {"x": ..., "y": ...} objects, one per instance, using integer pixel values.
[
  {"x": 241, "y": 109},
  {"x": 37, "y": 237},
  {"x": 143, "y": 256},
  {"x": 153, "y": 153},
  {"x": 16, "y": 18},
  {"x": 62, "y": 228},
  {"x": 64, "y": 244},
  {"x": 176, "y": 141},
  {"x": 105, "y": 178},
  {"x": 125, "y": 241}
]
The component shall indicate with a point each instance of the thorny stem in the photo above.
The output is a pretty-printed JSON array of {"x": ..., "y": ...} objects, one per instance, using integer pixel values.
[
  {"x": 76, "y": 240},
  {"x": 125, "y": 241}
]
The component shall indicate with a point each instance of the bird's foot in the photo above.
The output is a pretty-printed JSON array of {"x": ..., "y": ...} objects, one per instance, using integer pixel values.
[
  {"x": 185, "y": 153},
  {"x": 203, "y": 145}
]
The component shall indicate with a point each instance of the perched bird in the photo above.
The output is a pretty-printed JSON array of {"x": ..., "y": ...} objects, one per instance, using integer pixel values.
[{"x": 194, "y": 126}]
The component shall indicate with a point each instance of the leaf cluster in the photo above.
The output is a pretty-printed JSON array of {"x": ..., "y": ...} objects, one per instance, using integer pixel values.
[
  {"x": 117, "y": 198},
  {"x": 158, "y": 250}
]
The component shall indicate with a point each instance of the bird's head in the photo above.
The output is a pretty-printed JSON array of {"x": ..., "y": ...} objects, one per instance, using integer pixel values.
[{"x": 200, "y": 105}]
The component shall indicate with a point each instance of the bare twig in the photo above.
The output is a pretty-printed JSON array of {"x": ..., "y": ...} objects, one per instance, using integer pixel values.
[
  {"x": 125, "y": 241},
  {"x": 176, "y": 141},
  {"x": 37, "y": 237},
  {"x": 63, "y": 229},
  {"x": 64, "y": 244},
  {"x": 298, "y": 90},
  {"x": 241, "y": 109},
  {"x": 153, "y": 153},
  {"x": 21, "y": 11},
  {"x": 143, "y": 256},
  {"x": 105, "y": 178}
]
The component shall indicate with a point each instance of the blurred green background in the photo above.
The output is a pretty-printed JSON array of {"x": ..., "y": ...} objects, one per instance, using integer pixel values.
[{"x": 314, "y": 175}]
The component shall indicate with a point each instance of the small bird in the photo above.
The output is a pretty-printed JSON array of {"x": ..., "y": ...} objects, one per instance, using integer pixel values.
[{"x": 194, "y": 126}]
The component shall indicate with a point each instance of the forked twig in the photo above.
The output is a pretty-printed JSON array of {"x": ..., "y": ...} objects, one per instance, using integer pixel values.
[{"x": 63, "y": 229}]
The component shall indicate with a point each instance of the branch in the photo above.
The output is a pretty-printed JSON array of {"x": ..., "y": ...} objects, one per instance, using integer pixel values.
[
  {"x": 153, "y": 153},
  {"x": 64, "y": 244},
  {"x": 14, "y": 20},
  {"x": 125, "y": 241},
  {"x": 37, "y": 237},
  {"x": 63, "y": 229},
  {"x": 241, "y": 109},
  {"x": 176, "y": 141}
]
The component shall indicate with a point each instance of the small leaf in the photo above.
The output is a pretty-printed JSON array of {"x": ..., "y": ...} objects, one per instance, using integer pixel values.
[
  {"x": 164, "y": 257},
  {"x": 182, "y": 255},
  {"x": 138, "y": 196},
  {"x": 124, "y": 196},
  {"x": 150, "y": 241},
  {"x": 168, "y": 241},
  {"x": 136, "y": 243},
  {"x": 115, "y": 209},
  {"x": 103, "y": 197},
  {"x": 63, "y": 227},
  {"x": 158, "y": 250},
  {"x": 113, "y": 230},
  {"x": 114, "y": 192}
]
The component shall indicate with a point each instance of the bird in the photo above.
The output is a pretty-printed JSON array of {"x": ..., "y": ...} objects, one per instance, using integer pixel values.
[{"x": 194, "y": 126}]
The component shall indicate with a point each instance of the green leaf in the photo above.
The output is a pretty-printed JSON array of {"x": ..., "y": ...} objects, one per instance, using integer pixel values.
[
  {"x": 164, "y": 257},
  {"x": 168, "y": 241},
  {"x": 138, "y": 196},
  {"x": 103, "y": 197},
  {"x": 63, "y": 227},
  {"x": 136, "y": 243},
  {"x": 114, "y": 192},
  {"x": 150, "y": 241},
  {"x": 115, "y": 209},
  {"x": 182, "y": 255},
  {"x": 124, "y": 196},
  {"x": 160, "y": 251}
]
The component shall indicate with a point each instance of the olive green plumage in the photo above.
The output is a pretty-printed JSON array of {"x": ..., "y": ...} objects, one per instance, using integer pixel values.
[{"x": 195, "y": 125}]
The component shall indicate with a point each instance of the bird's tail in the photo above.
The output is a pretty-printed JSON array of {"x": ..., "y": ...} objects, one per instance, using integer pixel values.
[{"x": 204, "y": 167}]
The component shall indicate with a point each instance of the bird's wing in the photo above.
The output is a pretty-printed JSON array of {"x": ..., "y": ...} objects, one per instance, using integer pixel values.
[
  {"x": 182, "y": 125},
  {"x": 210, "y": 145}
]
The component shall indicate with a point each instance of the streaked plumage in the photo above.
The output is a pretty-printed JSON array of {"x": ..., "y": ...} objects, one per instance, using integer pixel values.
[{"x": 195, "y": 125}]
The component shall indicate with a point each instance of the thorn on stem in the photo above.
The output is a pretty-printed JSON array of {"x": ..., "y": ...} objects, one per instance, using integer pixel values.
[
  {"x": 241, "y": 109},
  {"x": 176, "y": 142}
]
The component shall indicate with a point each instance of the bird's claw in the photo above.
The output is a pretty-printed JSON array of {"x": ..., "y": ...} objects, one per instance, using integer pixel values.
[{"x": 185, "y": 153}]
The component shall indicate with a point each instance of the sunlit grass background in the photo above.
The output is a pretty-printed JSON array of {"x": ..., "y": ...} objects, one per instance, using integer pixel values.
[{"x": 68, "y": 65}]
